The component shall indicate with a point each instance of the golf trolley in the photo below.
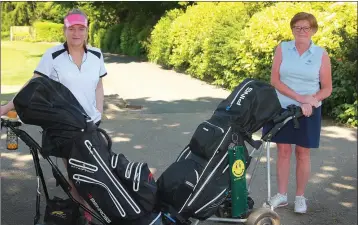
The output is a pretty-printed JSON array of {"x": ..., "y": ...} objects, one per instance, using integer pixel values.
[
  {"x": 266, "y": 214},
  {"x": 225, "y": 213}
]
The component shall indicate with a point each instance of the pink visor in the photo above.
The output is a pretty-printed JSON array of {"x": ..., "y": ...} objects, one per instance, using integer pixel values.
[{"x": 75, "y": 19}]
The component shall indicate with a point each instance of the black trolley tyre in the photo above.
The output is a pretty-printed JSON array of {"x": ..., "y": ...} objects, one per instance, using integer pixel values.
[{"x": 263, "y": 216}]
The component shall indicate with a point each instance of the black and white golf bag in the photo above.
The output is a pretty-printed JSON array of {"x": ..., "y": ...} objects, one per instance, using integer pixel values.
[
  {"x": 199, "y": 180},
  {"x": 120, "y": 191}
]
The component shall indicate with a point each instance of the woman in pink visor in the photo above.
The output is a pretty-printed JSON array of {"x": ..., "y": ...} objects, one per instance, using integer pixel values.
[{"x": 77, "y": 66}]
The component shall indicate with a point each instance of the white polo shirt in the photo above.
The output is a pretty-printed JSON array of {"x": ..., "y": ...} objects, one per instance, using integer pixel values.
[{"x": 58, "y": 65}]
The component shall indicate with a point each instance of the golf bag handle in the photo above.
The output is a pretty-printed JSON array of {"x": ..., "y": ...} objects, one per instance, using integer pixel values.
[
  {"x": 105, "y": 134},
  {"x": 293, "y": 112}
]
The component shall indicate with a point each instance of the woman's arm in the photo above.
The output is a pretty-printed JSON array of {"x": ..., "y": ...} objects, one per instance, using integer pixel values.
[
  {"x": 99, "y": 96},
  {"x": 325, "y": 76},
  {"x": 283, "y": 88}
]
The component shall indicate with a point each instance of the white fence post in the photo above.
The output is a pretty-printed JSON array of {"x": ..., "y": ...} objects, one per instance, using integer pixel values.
[{"x": 11, "y": 33}]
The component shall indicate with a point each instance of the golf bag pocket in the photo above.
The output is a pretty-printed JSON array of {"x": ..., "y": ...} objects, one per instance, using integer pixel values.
[
  {"x": 61, "y": 212},
  {"x": 206, "y": 139},
  {"x": 178, "y": 182}
]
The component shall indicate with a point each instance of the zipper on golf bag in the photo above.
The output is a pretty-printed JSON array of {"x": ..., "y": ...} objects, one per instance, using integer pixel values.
[{"x": 185, "y": 153}]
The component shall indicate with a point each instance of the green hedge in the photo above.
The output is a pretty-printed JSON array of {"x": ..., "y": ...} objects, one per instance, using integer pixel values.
[
  {"x": 199, "y": 40},
  {"x": 5, "y": 35},
  {"x": 227, "y": 42},
  {"x": 128, "y": 37},
  {"x": 159, "y": 48},
  {"x": 48, "y": 32}
]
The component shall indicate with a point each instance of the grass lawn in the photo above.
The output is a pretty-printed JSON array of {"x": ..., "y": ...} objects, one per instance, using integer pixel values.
[{"x": 19, "y": 60}]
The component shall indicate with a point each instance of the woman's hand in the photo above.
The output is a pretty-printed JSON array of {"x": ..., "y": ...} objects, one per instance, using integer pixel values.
[
  {"x": 306, "y": 109},
  {"x": 4, "y": 109},
  {"x": 309, "y": 99}
]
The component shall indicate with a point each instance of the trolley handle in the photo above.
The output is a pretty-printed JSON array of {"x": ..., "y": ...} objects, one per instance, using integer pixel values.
[
  {"x": 292, "y": 111},
  {"x": 10, "y": 124}
]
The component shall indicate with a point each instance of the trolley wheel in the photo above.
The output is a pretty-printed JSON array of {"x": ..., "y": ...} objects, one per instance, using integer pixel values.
[{"x": 263, "y": 216}]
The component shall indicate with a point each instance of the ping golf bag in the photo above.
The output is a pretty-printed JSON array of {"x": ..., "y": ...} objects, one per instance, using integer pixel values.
[
  {"x": 199, "y": 180},
  {"x": 120, "y": 191}
]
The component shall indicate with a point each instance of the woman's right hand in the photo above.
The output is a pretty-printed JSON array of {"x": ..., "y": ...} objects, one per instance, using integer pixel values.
[
  {"x": 309, "y": 99},
  {"x": 306, "y": 109}
]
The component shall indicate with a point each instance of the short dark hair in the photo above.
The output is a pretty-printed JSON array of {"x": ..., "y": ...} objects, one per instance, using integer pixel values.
[{"x": 305, "y": 16}]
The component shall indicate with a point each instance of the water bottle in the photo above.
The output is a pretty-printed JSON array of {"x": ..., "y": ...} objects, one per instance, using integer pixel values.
[{"x": 12, "y": 141}]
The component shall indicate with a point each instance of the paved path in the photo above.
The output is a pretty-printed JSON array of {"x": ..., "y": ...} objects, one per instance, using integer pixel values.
[{"x": 173, "y": 105}]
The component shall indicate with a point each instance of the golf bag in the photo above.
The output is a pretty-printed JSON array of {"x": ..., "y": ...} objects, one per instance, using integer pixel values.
[
  {"x": 199, "y": 180},
  {"x": 120, "y": 191}
]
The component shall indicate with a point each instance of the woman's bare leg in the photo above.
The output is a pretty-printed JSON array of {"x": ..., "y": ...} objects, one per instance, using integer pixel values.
[
  {"x": 283, "y": 167},
  {"x": 303, "y": 169}
]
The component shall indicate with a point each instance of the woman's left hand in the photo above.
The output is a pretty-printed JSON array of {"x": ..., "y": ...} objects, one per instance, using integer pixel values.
[{"x": 307, "y": 109}]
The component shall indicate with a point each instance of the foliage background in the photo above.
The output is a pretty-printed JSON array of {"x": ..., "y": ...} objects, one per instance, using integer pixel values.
[{"x": 219, "y": 42}]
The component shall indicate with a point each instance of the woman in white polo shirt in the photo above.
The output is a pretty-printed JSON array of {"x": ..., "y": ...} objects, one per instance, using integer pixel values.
[
  {"x": 78, "y": 67},
  {"x": 74, "y": 64}
]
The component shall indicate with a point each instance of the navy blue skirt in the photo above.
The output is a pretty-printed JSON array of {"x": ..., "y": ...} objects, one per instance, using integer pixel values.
[{"x": 307, "y": 135}]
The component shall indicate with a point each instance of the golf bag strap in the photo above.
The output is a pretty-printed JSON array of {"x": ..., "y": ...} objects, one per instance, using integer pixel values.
[
  {"x": 175, "y": 214},
  {"x": 60, "y": 180},
  {"x": 107, "y": 137}
]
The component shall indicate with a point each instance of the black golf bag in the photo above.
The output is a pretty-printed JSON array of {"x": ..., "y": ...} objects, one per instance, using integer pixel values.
[
  {"x": 120, "y": 191},
  {"x": 199, "y": 180}
]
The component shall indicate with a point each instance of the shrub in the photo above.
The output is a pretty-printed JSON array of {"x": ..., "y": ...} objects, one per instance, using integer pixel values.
[
  {"x": 135, "y": 32},
  {"x": 197, "y": 41},
  {"x": 158, "y": 47},
  {"x": 339, "y": 36},
  {"x": 128, "y": 37},
  {"x": 48, "y": 32},
  {"x": 200, "y": 40},
  {"x": 93, "y": 30},
  {"x": 342, "y": 104},
  {"x": 111, "y": 39},
  {"x": 5, "y": 35}
]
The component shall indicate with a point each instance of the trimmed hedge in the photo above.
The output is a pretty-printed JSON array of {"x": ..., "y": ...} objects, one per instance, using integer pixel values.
[
  {"x": 159, "y": 48},
  {"x": 5, "y": 35},
  {"x": 222, "y": 43},
  {"x": 128, "y": 37},
  {"x": 48, "y": 32},
  {"x": 198, "y": 41}
]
